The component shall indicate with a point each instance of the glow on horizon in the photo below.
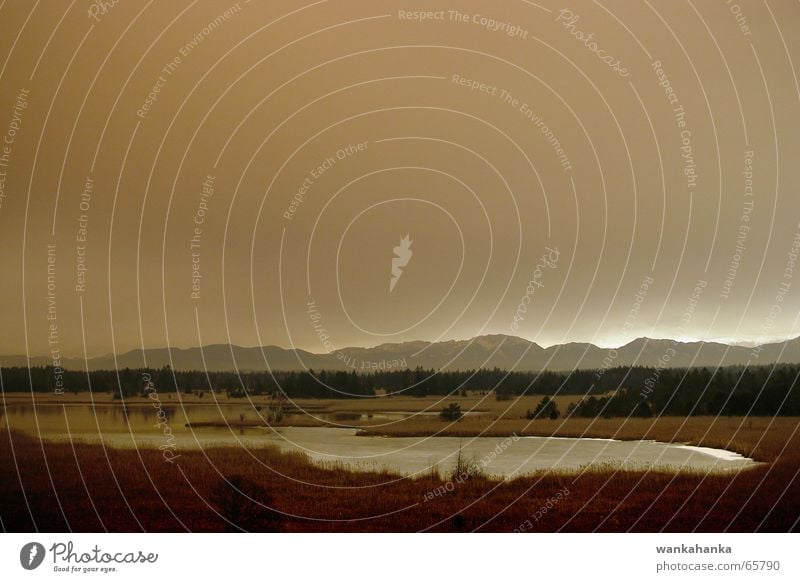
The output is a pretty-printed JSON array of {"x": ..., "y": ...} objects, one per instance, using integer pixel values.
[{"x": 743, "y": 340}]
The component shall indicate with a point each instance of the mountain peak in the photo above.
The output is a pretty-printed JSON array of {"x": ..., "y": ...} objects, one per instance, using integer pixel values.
[{"x": 485, "y": 351}]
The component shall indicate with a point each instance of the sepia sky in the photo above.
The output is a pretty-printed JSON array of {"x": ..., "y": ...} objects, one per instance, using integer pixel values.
[{"x": 188, "y": 173}]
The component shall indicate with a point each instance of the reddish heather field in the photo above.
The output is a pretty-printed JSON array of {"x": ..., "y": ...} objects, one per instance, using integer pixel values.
[{"x": 81, "y": 487}]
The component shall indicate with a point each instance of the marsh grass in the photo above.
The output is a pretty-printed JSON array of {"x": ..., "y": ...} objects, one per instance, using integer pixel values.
[
  {"x": 465, "y": 468},
  {"x": 138, "y": 491}
]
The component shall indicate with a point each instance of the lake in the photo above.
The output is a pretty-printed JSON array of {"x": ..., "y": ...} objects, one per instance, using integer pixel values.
[{"x": 139, "y": 426}]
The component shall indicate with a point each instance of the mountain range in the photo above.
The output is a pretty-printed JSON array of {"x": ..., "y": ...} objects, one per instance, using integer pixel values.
[{"x": 486, "y": 351}]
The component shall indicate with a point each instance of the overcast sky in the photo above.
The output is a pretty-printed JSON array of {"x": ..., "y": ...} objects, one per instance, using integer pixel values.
[{"x": 209, "y": 172}]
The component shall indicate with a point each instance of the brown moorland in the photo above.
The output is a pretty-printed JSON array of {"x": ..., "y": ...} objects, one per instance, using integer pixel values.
[{"x": 82, "y": 487}]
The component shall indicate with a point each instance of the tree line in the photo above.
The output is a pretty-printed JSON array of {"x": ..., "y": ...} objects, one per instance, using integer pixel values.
[
  {"x": 128, "y": 382},
  {"x": 621, "y": 391},
  {"x": 730, "y": 391}
]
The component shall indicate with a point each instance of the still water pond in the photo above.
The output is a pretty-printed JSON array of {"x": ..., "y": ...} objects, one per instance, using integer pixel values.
[{"x": 138, "y": 426}]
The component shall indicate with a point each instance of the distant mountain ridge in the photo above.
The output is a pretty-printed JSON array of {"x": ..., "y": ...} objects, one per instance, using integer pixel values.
[{"x": 486, "y": 351}]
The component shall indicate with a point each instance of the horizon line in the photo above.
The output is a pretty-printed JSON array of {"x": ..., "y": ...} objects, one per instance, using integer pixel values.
[{"x": 730, "y": 342}]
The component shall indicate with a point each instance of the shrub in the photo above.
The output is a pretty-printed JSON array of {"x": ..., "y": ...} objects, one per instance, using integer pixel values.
[
  {"x": 546, "y": 408},
  {"x": 245, "y": 505},
  {"x": 451, "y": 412}
]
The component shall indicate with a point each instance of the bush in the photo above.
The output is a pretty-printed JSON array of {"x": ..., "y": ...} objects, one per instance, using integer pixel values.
[
  {"x": 547, "y": 408},
  {"x": 502, "y": 394},
  {"x": 237, "y": 501},
  {"x": 451, "y": 412}
]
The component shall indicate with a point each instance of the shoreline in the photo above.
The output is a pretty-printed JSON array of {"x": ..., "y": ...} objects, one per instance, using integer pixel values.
[{"x": 203, "y": 444}]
